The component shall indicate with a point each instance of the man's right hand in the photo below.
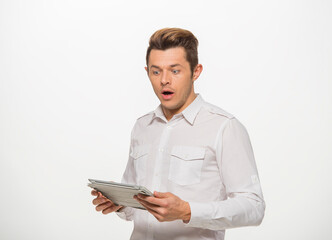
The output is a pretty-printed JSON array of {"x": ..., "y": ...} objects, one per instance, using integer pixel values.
[{"x": 103, "y": 204}]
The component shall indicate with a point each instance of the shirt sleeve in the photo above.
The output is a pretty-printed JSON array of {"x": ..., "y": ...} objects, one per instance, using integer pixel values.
[
  {"x": 129, "y": 176},
  {"x": 244, "y": 205}
]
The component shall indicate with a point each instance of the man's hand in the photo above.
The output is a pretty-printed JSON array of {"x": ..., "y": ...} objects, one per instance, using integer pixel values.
[
  {"x": 103, "y": 204},
  {"x": 165, "y": 206}
]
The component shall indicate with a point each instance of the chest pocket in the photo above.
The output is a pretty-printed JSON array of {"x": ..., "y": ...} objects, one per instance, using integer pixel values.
[
  {"x": 186, "y": 165},
  {"x": 140, "y": 154}
]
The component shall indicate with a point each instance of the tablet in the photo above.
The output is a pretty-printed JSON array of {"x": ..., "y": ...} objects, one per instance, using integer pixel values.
[{"x": 120, "y": 193}]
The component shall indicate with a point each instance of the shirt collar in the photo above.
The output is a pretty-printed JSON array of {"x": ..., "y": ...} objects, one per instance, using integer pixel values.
[
  {"x": 158, "y": 113},
  {"x": 189, "y": 113},
  {"x": 192, "y": 110}
]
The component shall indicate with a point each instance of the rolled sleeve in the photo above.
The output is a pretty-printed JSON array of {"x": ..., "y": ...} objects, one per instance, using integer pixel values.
[{"x": 244, "y": 205}]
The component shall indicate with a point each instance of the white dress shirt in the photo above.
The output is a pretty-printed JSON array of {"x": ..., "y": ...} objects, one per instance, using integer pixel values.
[{"x": 204, "y": 156}]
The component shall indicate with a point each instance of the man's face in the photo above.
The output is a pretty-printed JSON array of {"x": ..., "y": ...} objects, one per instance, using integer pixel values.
[{"x": 171, "y": 79}]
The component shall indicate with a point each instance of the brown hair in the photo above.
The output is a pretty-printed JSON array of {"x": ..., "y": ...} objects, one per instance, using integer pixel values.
[{"x": 175, "y": 37}]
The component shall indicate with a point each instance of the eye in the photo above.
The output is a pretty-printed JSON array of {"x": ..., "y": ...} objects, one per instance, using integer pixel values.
[
  {"x": 155, "y": 72},
  {"x": 175, "y": 71}
]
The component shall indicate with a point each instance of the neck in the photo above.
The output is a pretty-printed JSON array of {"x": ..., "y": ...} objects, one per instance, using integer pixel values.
[{"x": 169, "y": 113}]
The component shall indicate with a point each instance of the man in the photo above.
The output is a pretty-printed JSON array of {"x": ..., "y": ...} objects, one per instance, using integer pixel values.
[{"x": 195, "y": 156}]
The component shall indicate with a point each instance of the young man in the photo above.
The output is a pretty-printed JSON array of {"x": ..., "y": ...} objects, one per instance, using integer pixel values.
[{"x": 195, "y": 156}]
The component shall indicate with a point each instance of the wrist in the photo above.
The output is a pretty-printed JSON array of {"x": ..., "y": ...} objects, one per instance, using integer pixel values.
[
  {"x": 119, "y": 210},
  {"x": 186, "y": 213}
]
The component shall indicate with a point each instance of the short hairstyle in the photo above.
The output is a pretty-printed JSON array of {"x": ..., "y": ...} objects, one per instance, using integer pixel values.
[{"x": 175, "y": 37}]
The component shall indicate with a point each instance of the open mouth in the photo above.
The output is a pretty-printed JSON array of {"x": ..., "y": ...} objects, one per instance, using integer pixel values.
[{"x": 167, "y": 94}]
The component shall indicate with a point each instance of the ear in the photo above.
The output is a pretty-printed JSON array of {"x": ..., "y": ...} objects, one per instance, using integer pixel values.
[
  {"x": 197, "y": 71},
  {"x": 147, "y": 70}
]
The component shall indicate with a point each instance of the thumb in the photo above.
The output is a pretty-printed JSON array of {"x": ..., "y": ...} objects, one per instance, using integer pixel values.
[{"x": 160, "y": 194}]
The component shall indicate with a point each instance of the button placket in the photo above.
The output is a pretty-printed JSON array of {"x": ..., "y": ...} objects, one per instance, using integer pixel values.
[{"x": 157, "y": 174}]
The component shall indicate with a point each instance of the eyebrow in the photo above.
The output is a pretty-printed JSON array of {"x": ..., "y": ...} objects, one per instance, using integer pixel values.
[
  {"x": 176, "y": 65},
  {"x": 173, "y": 65},
  {"x": 154, "y": 66}
]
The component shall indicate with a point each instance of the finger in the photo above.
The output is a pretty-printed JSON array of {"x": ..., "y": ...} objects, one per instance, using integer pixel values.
[
  {"x": 94, "y": 193},
  {"x": 143, "y": 202},
  {"x": 153, "y": 200},
  {"x": 153, "y": 212},
  {"x": 161, "y": 194},
  {"x": 159, "y": 212},
  {"x": 159, "y": 217},
  {"x": 98, "y": 201},
  {"x": 103, "y": 206},
  {"x": 111, "y": 209},
  {"x": 152, "y": 207},
  {"x": 148, "y": 206}
]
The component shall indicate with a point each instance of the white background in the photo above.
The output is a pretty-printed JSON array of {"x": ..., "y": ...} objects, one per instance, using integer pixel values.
[{"x": 72, "y": 83}]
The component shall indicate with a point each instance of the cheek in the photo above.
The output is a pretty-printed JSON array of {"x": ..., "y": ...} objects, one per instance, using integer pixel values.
[
  {"x": 186, "y": 87},
  {"x": 153, "y": 83},
  {"x": 155, "y": 86}
]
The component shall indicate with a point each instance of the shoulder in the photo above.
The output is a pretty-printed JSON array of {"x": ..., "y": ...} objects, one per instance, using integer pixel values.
[
  {"x": 144, "y": 120},
  {"x": 141, "y": 123},
  {"x": 217, "y": 110},
  {"x": 146, "y": 117}
]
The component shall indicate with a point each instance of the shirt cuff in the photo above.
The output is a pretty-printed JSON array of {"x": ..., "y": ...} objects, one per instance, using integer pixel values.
[
  {"x": 200, "y": 215},
  {"x": 125, "y": 213}
]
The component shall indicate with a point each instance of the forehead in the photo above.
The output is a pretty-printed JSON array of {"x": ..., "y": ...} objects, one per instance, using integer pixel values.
[{"x": 168, "y": 57}]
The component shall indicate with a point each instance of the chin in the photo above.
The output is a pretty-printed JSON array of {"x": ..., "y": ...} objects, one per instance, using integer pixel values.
[
  {"x": 170, "y": 107},
  {"x": 167, "y": 105}
]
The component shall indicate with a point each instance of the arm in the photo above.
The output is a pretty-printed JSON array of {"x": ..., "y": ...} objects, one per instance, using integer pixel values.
[
  {"x": 129, "y": 176},
  {"x": 245, "y": 205},
  {"x": 105, "y": 205}
]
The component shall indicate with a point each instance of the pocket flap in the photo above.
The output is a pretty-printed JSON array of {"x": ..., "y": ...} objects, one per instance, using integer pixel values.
[
  {"x": 139, "y": 151},
  {"x": 188, "y": 153}
]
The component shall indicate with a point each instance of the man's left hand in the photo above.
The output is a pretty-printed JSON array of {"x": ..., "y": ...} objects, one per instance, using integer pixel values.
[{"x": 165, "y": 206}]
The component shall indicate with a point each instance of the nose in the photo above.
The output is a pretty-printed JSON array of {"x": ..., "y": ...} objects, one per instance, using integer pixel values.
[{"x": 165, "y": 78}]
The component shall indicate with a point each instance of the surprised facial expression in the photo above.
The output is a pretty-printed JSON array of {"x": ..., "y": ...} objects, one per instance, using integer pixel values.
[{"x": 172, "y": 80}]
